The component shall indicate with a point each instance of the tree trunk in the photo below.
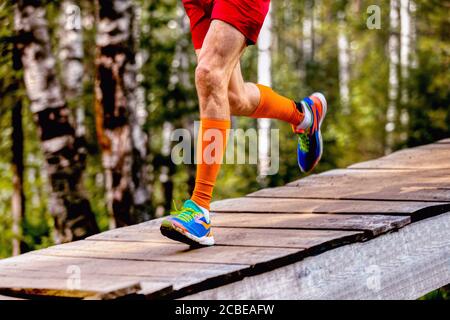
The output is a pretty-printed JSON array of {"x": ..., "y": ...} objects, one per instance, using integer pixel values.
[
  {"x": 18, "y": 198},
  {"x": 265, "y": 78},
  {"x": 71, "y": 56},
  {"x": 344, "y": 64},
  {"x": 308, "y": 31},
  {"x": 122, "y": 140},
  {"x": 65, "y": 165},
  {"x": 138, "y": 117},
  {"x": 17, "y": 147},
  {"x": 168, "y": 167},
  {"x": 405, "y": 62},
  {"x": 394, "y": 58}
]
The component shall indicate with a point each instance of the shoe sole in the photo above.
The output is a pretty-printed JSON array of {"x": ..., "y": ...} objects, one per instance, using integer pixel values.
[
  {"x": 173, "y": 232},
  {"x": 324, "y": 103}
]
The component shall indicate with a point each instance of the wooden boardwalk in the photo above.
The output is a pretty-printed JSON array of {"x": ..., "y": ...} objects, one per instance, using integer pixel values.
[{"x": 326, "y": 236}]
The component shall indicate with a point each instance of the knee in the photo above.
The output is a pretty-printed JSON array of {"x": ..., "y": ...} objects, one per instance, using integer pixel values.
[{"x": 209, "y": 78}]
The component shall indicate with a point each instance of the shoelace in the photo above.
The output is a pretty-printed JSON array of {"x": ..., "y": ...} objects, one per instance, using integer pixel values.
[
  {"x": 184, "y": 214},
  {"x": 303, "y": 140}
]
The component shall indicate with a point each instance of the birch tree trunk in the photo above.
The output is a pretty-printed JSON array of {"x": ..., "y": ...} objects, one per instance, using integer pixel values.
[
  {"x": 344, "y": 64},
  {"x": 405, "y": 63},
  {"x": 138, "y": 117},
  {"x": 70, "y": 40},
  {"x": 265, "y": 78},
  {"x": 308, "y": 31},
  {"x": 123, "y": 143},
  {"x": 394, "y": 57},
  {"x": 64, "y": 164}
]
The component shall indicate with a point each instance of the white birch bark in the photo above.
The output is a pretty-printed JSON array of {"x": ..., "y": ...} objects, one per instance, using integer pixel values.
[
  {"x": 394, "y": 60},
  {"x": 265, "y": 78},
  {"x": 71, "y": 57},
  {"x": 138, "y": 117},
  {"x": 308, "y": 31},
  {"x": 119, "y": 114},
  {"x": 344, "y": 64},
  {"x": 64, "y": 163},
  {"x": 405, "y": 62}
]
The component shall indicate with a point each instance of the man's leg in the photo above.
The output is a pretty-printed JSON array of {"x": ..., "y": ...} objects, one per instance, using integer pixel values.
[
  {"x": 258, "y": 101},
  {"x": 217, "y": 59},
  {"x": 222, "y": 47},
  {"x": 306, "y": 116}
]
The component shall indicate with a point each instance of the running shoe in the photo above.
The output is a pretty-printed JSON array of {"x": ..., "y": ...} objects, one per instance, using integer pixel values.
[
  {"x": 188, "y": 225},
  {"x": 310, "y": 143}
]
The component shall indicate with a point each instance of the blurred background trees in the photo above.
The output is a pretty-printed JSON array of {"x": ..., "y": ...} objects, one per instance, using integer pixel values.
[{"x": 61, "y": 162}]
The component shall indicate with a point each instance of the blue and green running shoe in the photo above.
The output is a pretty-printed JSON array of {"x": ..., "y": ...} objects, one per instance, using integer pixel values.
[
  {"x": 188, "y": 225},
  {"x": 310, "y": 144}
]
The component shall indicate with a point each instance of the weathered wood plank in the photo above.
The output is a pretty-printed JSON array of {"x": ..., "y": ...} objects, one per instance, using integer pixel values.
[
  {"x": 404, "y": 185},
  {"x": 280, "y": 238},
  {"x": 421, "y": 187},
  {"x": 49, "y": 287},
  {"x": 372, "y": 225},
  {"x": 401, "y": 265},
  {"x": 447, "y": 140},
  {"x": 433, "y": 195},
  {"x": 177, "y": 273},
  {"x": 265, "y": 205},
  {"x": 434, "y": 156},
  {"x": 33, "y": 283},
  {"x": 148, "y": 251},
  {"x": 259, "y": 259}
]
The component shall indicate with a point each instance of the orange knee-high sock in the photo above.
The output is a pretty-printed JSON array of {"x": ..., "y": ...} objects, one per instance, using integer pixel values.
[
  {"x": 211, "y": 143},
  {"x": 274, "y": 106}
]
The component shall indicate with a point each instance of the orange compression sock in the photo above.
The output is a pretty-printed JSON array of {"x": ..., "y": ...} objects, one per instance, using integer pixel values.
[
  {"x": 274, "y": 106},
  {"x": 211, "y": 143}
]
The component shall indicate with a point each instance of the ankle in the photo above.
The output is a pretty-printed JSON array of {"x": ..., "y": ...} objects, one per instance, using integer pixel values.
[
  {"x": 205, "y": 211},
  {"x": 306, "y": 122}
]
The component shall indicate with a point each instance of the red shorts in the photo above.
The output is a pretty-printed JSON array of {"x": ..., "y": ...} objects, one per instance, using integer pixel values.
[{"x": 245, "y": 15}]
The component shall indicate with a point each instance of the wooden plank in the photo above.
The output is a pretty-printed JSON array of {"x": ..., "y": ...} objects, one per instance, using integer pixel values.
[
  {"x": 424, "y": 196},
  {"x": 35, "y": 283},
  {"x": 278, "y": 238},
  {"x": 53, "y": 282},
  {"x": 400, "y": 265},
  {"x": 435, "y": 156},
  {"x": 265, "y": 205},
  {"x": 259, "y": 259},
  {"x": 183, "y": 276},
  {"x": 255, "y": 257},
  {"x": 403, "y": 185},
  {"x": 154, "y": 290},
  {"x": 58, "y": 266},
  {"x": 447, "y": 140},
  {"x": 372, "y": 225}
]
